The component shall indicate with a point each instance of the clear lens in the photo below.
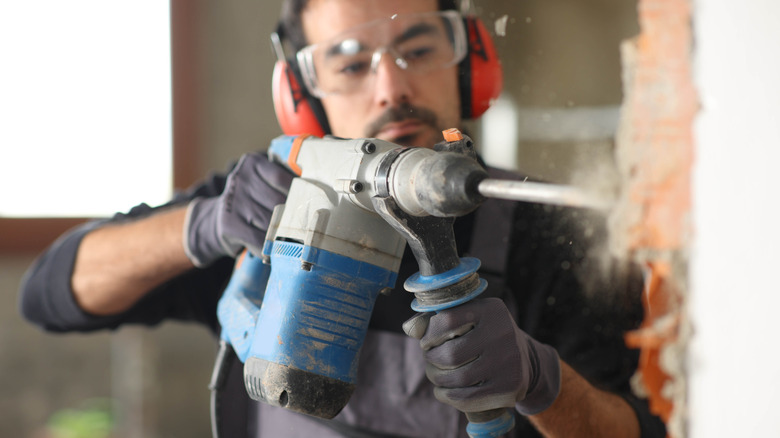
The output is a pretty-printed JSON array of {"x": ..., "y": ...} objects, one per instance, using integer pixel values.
[{"x": 417, "y": 42}]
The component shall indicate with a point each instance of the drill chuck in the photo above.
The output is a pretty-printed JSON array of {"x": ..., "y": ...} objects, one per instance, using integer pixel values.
[{"x": 441, "y": 184}]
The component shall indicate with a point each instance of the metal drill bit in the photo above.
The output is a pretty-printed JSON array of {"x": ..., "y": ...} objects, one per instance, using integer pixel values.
[{"x": 543, "y": 193}]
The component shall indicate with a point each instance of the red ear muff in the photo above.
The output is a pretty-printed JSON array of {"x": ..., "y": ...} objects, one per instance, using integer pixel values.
[
  {"x": 481, "y": 77},
  {"x": 295, "y": 110}
]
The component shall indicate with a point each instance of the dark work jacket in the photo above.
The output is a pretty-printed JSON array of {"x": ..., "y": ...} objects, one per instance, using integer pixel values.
[{"x": 544, "y": 262}]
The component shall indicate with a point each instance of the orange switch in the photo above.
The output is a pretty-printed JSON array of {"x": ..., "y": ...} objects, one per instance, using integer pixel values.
[{"x": 452, "y": 134}]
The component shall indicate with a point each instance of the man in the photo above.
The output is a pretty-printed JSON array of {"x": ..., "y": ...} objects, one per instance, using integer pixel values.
[{"x": 172, "y": 262}]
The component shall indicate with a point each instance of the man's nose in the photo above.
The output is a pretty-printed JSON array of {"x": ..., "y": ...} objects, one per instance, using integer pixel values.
[{"x": 393, "y": 84}]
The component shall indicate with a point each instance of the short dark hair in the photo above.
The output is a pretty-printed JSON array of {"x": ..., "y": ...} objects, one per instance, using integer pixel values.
[{"x": 291, "y": 28}]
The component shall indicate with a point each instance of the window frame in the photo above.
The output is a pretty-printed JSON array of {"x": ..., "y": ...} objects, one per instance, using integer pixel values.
[{"x": 35, "y": 234}]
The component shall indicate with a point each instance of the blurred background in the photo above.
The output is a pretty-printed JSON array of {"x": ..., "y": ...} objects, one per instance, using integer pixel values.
[{"x": 559, "y": 111}]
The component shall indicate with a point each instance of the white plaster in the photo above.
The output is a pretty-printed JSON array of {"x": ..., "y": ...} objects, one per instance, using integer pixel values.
[{"x": 734, "y": 361}]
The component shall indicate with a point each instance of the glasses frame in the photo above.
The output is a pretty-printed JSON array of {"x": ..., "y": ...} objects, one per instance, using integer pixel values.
[{"x": 305, "y": 56}]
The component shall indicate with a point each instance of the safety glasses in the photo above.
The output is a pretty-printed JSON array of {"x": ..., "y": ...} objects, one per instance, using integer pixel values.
[{"x": 417, "y": 43}]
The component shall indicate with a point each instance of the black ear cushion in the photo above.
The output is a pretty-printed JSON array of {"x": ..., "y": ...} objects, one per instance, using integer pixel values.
[
  {"x": 314, "y": 103},
  {"x": 464, "y": 87}
]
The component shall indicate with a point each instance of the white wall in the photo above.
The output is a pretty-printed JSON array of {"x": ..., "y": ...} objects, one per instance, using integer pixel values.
[{"x": 734, "y": 362}]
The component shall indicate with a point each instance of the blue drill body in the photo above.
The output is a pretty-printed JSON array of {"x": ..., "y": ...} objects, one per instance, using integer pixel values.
[
  {"x": 311, "y": 321},
  {"x": 316, "y": 320}
]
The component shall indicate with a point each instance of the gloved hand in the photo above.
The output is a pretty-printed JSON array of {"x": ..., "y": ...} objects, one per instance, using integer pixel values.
[
  {"x": 479, "y": 359},
  {"x": 239, "y": 217}
]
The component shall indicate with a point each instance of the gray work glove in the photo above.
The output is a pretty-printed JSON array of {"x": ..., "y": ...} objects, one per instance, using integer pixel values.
[
  {"x": 238, "y": 218},
  {"x": 479, "y": 359}
]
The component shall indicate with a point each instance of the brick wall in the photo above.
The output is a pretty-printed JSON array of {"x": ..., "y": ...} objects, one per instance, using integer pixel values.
[{"x": 651, "y": 223}]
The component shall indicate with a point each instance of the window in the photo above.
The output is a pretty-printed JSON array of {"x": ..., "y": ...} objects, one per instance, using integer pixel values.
[{"x": 87, "y": 113}]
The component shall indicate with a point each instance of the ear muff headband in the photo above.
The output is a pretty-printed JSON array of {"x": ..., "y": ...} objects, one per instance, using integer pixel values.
[
  {"x": 480, "y": 83},
  {"x": 481, "y": 76}
]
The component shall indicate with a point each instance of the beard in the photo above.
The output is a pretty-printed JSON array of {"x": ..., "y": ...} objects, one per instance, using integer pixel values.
[{"x": 401, "y": 113}]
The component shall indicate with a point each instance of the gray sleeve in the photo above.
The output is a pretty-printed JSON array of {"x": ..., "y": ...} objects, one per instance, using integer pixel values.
[
  {"x": 46, "y": 295},
  {"x": 47, "y": 299}
]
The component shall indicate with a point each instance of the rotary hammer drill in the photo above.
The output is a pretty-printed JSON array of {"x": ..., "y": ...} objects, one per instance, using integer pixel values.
[{"x": 296, "y": 311}]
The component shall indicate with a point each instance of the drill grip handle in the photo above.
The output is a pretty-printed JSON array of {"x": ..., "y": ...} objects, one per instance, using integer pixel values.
[
  {"x": 239, "y": 307},
  {"x": 490, "y": 424},
  {"x": 449, "y": 289}
]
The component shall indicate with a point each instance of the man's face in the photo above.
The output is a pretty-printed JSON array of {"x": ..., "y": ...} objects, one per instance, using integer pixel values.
[{"x": 399, "y": 106}]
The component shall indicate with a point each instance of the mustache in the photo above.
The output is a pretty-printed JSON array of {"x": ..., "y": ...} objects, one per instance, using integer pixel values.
[{"x": 400, "y": 113}]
